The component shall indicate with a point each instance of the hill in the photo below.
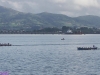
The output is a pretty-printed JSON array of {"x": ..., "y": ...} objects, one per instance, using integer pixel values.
[
  {"x": 89, "y": 20},
  {"x": 14, "y": 20}
]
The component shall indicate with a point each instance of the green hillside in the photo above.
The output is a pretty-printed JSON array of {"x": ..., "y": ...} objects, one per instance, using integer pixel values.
[
  {"x": 14, "y": 20},
  {"x": 89, "y": 20}
]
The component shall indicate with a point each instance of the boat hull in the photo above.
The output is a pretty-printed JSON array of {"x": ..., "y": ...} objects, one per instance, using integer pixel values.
[
  {"x": 5, "y": 44},
  {"x": 87, "y": 48}
]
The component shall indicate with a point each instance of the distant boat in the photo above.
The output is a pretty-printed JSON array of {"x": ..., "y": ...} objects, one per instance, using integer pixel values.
[
  {"x": 62, "y": 39},
  {"x": 87, "y": 48},
  {"x": 5, "y": 44}
]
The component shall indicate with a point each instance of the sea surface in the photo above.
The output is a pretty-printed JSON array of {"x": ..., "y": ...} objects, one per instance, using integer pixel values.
[{"x": 47, "y": 54}]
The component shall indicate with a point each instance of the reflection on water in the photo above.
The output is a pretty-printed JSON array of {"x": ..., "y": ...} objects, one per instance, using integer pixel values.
[{"x": 49, "y": 55}]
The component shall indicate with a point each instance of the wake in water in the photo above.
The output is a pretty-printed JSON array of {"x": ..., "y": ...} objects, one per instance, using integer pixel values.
[{"x": 57, "y": 44}]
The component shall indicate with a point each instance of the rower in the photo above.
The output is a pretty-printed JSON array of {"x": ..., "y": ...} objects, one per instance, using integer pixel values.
[{"x": 93, "y": 46}]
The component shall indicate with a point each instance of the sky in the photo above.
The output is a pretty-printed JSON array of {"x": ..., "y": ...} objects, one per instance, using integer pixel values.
[{"x": 72, "y": 8}]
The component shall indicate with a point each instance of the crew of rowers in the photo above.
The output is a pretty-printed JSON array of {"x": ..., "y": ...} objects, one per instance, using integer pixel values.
[{"x": 5, "y": 44}]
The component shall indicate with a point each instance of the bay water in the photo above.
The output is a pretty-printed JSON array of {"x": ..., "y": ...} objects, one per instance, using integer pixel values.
[{"x": 47, "y": 54}]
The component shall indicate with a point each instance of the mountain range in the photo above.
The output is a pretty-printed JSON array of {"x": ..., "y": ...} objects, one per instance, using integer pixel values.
[{"x": 14, "y": 20}]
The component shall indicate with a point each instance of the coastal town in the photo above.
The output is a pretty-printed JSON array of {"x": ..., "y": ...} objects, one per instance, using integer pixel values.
[{"x": 54, "y": 30}]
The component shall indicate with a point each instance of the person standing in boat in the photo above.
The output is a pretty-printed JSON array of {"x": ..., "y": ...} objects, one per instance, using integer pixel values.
[{"x": 93, "y": 46}]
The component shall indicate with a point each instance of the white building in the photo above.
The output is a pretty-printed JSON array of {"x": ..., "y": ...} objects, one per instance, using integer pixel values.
[{"x": 69, "y": 31}]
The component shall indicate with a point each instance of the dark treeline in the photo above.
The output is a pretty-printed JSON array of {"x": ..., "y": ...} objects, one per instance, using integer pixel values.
[
  {"x": 81, "y": 30},
  {"x": 63, "y": 30}
]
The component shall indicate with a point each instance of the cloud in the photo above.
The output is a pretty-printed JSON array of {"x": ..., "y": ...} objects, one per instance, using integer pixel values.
[
  {"x": 67, "y": 7},
  {"x": 59, "y": 1},
  {"x": 87, "y": 3}
]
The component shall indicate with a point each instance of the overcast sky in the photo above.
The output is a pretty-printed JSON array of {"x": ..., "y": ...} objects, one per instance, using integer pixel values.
[{"x": 67, "y": 7}]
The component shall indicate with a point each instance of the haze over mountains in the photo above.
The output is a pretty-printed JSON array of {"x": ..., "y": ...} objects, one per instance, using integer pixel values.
[{"x": 14, "y": 20}]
